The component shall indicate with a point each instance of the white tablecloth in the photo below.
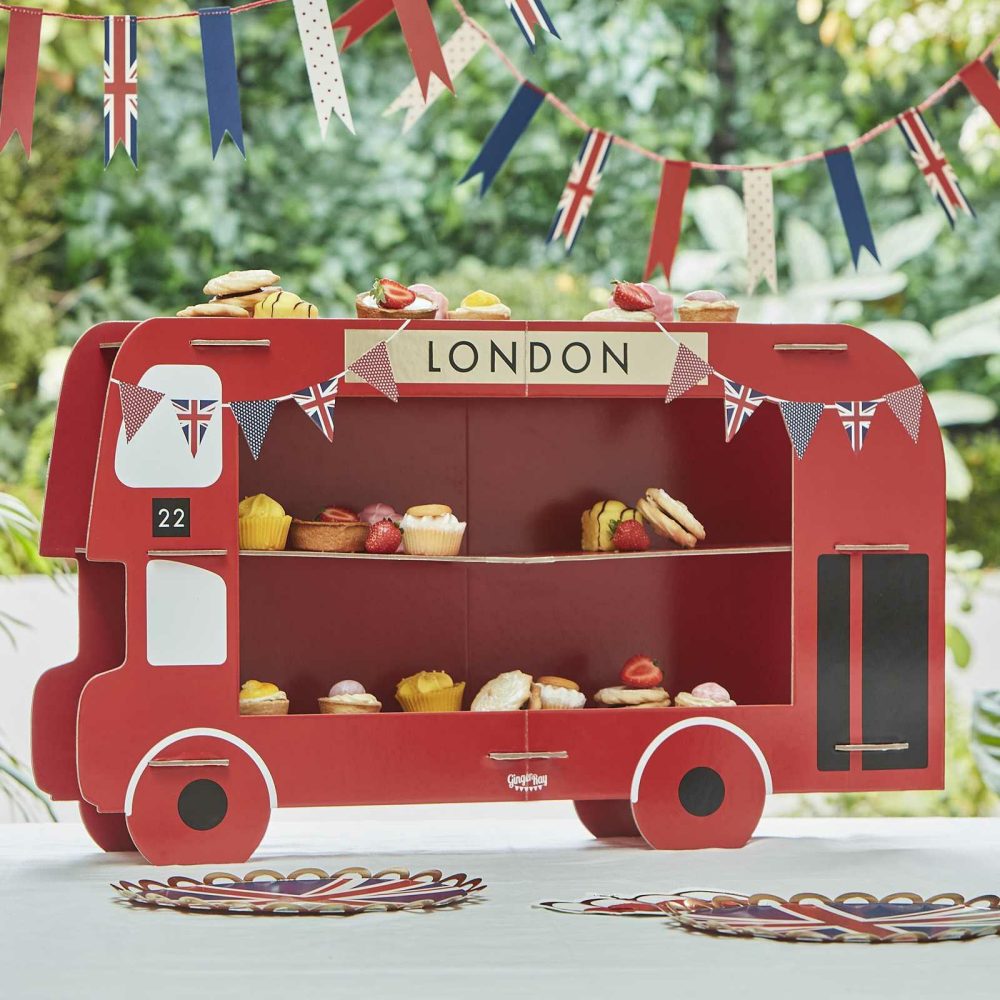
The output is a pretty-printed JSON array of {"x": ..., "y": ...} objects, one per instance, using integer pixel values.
[{"x": 63, "y": 936}]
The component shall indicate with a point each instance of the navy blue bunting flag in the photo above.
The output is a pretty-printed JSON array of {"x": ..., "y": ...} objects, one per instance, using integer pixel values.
[
  {"x": 801, "y": 420},
  {"x": 254, "y": 418},
  {"x": 221, "y": 86},
  {"x": 504, "y": 135},
  {"x": 851, "y": 203}
]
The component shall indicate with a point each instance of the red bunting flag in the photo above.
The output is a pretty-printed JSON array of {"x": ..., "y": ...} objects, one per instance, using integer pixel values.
[
  {"x": 983, "y": 86},
  {"x": 667, "y": 223},
  {"x": 375, "y": 368},
  {"x": 688, "y": 371},
  {"x": 20, "y": 78},
  {"x": 361, "y": 18},
  {"x": 418, "y": 30},
  {"x": 138, "y": 403},
  {"x": 907, "y": 405}
]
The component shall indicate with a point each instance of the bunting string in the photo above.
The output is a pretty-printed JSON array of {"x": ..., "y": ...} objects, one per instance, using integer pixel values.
[{"x": 565, "y": 110}]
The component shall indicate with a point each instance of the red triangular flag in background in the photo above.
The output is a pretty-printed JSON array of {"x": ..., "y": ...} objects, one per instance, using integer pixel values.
[
  {"x": 375, "y": 368},
  {"x": 422, "y": 41},
  {"x": 20, "y": 78},
  {"x": 983, "y": 86},
  {"x": 138, "y": 403},
  {"x": 907, "y": 405},
  {"x": 688, "y": 371},
  {"x": 667, "y": 222},
  {"x": 361, "y": 18}
]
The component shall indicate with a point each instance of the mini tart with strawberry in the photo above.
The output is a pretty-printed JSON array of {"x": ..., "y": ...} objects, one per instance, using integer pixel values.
[
  {"x": 336, "y": 529},
  {"x": 632, "y": 303},
  {"x": 388, "y": 299},
  {"x": 480, "y": 305}
]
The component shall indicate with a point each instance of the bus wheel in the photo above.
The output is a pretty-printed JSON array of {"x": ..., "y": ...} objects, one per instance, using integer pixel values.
[
  {"x": 209, "y": 813},
  {"x": 108, "y": 830},
  {"x": 607, "y": 817},
  {"x": 700, "y": 783}
]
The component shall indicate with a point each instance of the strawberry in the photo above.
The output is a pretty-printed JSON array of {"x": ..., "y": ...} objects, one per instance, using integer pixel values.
[
  {"x": 336, "y": 515},
  {"x": 641, "y": 671},
  {"x": 631, "y": 297},
  {"x": 629, "y": 536},
  {"x": 391, "y": 294},
  {"x": 383, "y": 536}
]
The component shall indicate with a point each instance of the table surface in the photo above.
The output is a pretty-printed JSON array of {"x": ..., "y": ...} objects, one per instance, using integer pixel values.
[{"x": 62, "y": 934}]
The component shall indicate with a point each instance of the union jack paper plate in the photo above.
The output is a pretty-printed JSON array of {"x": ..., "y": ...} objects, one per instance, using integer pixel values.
[
  {"x": 647, "y": 904},
  {"x": 852, "y": 917},
  {"x": 305, "y": 891}
]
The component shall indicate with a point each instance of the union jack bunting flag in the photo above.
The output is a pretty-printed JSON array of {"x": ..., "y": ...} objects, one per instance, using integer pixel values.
[
  {"x": 740, "y": 403},
  {"x": 857, "y": 418},
  {"x": 825, "y": 920},
  {"x": 933, "y": 164},
  {"x": 121, "y": 88},
  {"x": 584, "y": 176},
  {"x": 195, "y": 415},
  {"x": 317, "y": 402},
  {"x": 529, "y": 13}
]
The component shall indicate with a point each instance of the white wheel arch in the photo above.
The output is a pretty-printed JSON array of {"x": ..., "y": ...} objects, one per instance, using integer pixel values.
[
  {"x": 701, "y": 720},
  {"x": 183, "y": 734}
]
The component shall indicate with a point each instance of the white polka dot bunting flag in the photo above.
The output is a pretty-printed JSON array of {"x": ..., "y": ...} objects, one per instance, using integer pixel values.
[
  {"x": 688, "y": 371},
  {"x": 375, "y": 368},
  {"x": 138, "y": 403},
  {"x": 322, "y": 62},
  {"x": 801, "y": 420},
  {"x": 254, "y": 418},
  {"x": 458, "y": 52},
  {"x": 907, "y": 405},
  {"x": 758, "y": 200}
]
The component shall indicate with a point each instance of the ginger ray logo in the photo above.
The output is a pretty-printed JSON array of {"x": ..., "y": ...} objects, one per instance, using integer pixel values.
[{"x": 529, "y": 782}]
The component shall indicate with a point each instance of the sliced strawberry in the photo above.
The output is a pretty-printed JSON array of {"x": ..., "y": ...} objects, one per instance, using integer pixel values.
[
  {"x": 391, "y": 294},
  {"x": 337, "y": 515},
  {"x": 631, "y": 297},
  {"x": 641, "y": 671},
  {"x": 383, "y": 536},
  {"x": 630, "y": 536}
]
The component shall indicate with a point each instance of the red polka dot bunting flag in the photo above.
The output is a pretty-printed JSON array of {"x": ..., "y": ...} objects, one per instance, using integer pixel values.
[
  {"x": 907, "y": 405},
  {"x": 375, "y": 368},
  {"x": 138, "y": 403},
  {"x": 688, "y": 371},
  {"x": 326, "y": 80}
]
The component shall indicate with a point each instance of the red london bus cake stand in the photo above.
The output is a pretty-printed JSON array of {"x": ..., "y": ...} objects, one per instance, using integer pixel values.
[{"x": 817, "y": 600}]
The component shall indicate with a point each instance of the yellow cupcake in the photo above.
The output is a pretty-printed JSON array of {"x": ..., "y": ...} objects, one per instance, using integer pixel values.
[
  {"x": 263, "y": 523},
  {"x": 430, "y": 691},
  {"x": 480, "y": 305}
]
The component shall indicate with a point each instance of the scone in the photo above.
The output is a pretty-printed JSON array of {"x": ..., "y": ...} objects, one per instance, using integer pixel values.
[
  {"x": 671, "y": 518},
  {"x": 505, "y": 693},
  {"x": 626, "y": 697}
]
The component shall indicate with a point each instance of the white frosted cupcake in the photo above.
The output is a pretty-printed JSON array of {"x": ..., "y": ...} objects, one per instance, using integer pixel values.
[{"x": 431, "y": 529}]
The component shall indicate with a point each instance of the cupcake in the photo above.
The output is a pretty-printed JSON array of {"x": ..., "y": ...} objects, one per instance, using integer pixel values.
[
  {"x": 430, "y": 691},
  {"x": 336, "y": 529},
  {"x": 707, "y": 306},
  {"x": 431, "y": 529},
  {"x": 480, "y": 305},
  {"x": 388, "y": 299},
  {"x": 349, "y": 698},
  {"x": 263, "y": 523},
  {"x": 262, "y": 698}
]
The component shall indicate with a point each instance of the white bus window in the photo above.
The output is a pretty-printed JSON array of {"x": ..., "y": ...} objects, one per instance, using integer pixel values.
[
  {"x": 185, "y": 615},
  {"x": 160, "y": 454}
]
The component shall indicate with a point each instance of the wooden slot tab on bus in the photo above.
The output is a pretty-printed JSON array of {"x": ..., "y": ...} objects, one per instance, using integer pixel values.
[
  {"x": 869, "y": 747},
  {"x": 872, "y": 547},
  {"x": 530, "y": 755},
  {"x": 209, "y": 762},
  {"x": 230, "y": 343},
  {"x": 161, "y": 553},
  {"x": 810, "y": 347}
]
